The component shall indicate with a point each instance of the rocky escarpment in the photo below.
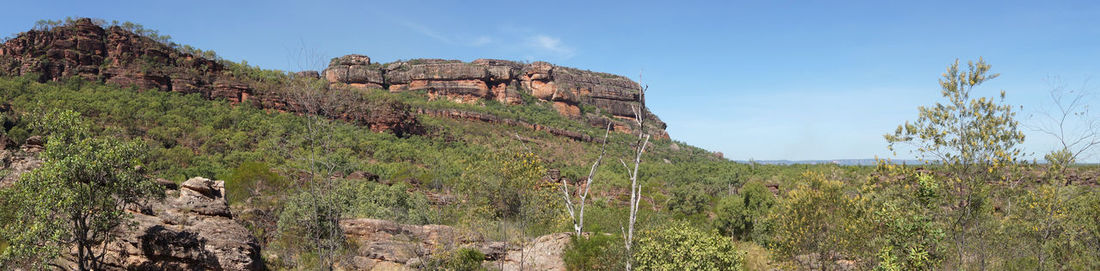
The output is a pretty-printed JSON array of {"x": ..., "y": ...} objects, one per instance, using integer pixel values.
[
  {"x": 567, "y": 89},
  {"x": 118, "y": 56},
  {"x": 385, "y": 245},
  {"x": 192, "y": 229}
]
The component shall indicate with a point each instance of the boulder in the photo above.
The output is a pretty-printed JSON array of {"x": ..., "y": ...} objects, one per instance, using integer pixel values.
[
  {"x": 385, "y": 245},
  {"x": 193, "y": 231},
  {"x": 204, "y": 196},
  {"x": 542, "y": 253}
]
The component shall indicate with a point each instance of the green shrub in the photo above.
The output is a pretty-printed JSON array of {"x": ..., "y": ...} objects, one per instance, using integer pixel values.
[
  {"x": 597, "y": 252},
  {"x": 743, "y": 216},
  {"x": 511, "y": 187},
  {"x": 251, "y": 179},
  {"x": 689, "y": 199},
  {"x": 818, "y": 218},
  {"x": 380, "y": 201},
  {"x": 462, "y": 259},
  {"x": 5, "y": 216},
  {"x": 680, "y": 246},
  {"x": 304, "y": 218}
]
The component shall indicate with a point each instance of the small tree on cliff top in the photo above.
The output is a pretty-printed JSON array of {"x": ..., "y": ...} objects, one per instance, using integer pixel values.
[{"x": 76, "y": 198}]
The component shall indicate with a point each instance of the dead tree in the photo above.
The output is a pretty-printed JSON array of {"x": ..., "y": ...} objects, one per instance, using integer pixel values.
[
  {"x": 635, "y": 188},
  {"x": 1070, "y": 122},
  {"x": 576, "y": 210},
  {"x": 1077, "y": 131},
  {"x": 315, "y": 101}
]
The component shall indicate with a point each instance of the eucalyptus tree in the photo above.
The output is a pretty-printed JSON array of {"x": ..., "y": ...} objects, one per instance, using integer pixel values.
[{"x": 77, "y": 198}]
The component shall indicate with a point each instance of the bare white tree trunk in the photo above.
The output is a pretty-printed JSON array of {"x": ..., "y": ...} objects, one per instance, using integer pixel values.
[
  {"x": 635, "y": 188},
  {"x": 577, "y": 214}
]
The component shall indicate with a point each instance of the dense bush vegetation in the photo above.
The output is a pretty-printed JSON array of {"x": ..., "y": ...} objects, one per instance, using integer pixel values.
[
  {"x": 744, "y": 216},
  {"x": 597, "y": 252},
  {"x": 697, "y": 211},
  {"x": 75, "y": 198},
  {"x": 683, "y": 247},
  {"x": 462, "y": 259}
]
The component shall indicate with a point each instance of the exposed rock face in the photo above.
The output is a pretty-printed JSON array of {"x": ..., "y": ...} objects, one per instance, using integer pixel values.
[
  {"x": 192, "y": 231},
  {"x": 19, "y": 161},
  {"x": 501, "y": 80},
  {"x": 117, "y": 56},
  {"x": 385, "y": 245}
]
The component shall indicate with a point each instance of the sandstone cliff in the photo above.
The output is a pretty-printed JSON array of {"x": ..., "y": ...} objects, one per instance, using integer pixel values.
[
  {"x": 117, "y": 56},
  {"x": 501, "y": 80}
]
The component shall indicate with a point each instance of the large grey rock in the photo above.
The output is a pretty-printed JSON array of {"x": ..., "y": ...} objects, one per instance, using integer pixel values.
[
  {"x": 191, "y": 231},
  {"x": 385, "y": 245}
]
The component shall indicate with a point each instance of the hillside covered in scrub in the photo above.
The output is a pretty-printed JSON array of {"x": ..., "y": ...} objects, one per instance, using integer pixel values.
[{"x": 123, "y": 150}]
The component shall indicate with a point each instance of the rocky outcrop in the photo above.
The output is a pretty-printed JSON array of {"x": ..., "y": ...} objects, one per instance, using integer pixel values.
[
  {"x": 191, "y": 230},
  {"x": 567, "y": 89},
  {"x": 16, "y": 162},
  {"x": 117, "y": 56},
  {"x": 385, "y": 245}
]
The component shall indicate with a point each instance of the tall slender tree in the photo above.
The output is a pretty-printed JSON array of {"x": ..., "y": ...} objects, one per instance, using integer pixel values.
[{"x": 635, "y": 187}]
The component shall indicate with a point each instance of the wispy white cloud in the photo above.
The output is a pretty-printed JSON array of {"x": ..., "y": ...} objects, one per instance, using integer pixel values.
[
  {"x": 522, "y": 40},
  {"x": 550, "y": 45},
  {"x": 426, "y": 31},
  {"x": 481, "y": 41}
]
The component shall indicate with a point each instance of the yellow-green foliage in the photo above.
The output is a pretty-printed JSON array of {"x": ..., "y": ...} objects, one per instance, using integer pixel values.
[
  {"x": 819, "y": 217},
  {"x": 252, "y": 179},
  {"x": 511, "y": 187},
  {"x": 462, "y": 259},
  {"x": 964, "y": 130},
  {"x": 757, "y": 258},
  {"x": 680, "y": 246},
  {"x": 974, "y": 139}
]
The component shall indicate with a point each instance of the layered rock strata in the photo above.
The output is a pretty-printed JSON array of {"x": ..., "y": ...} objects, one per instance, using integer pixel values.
[
  {"x": 567, "y": 89},
  {"x": 117, "y": 56}
]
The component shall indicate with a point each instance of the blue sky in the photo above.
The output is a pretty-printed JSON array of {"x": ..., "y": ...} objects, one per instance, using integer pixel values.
[{"x": 752, "y": 79}]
